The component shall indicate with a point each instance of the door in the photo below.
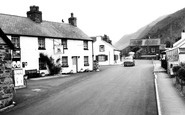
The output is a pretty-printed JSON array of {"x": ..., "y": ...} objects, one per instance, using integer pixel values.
[{"x": 75, "y": 64}]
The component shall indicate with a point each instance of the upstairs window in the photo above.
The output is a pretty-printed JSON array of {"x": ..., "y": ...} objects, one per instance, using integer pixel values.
[
  {"x": 102, "y": 48},
  {"x": 153, "y": 50},
  {"x": 64, "y": 61},
  {"x": 86, "y": 61},
  {"x": 85, "y": 45},
  {"x": 41, "y": 43},
  {"x": 64, "y": 43},
  {"x": 16, "y": 41}
]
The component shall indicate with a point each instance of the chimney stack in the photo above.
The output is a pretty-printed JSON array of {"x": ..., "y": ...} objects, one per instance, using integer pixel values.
[
  {"x": 72, "y": 20},
  {"x": 34, "y": 14}
]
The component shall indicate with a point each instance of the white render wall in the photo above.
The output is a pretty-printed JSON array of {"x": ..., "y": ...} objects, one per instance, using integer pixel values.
[
  {"x": 182, "y": 56},
  {"x": 118, "y": 61},
  {"x": 109, "y": 51},
  {"x": 30, "y": 53}
]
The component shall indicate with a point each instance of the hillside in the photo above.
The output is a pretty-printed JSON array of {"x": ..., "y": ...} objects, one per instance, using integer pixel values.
[
  {"x": 170, "y": 28},
  {"x": 167, "y": 28},
  {"x": 125, "y": 40}
]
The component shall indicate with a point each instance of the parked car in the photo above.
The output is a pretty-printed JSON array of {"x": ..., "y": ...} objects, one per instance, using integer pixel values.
[{"x": 129, "y": 61}]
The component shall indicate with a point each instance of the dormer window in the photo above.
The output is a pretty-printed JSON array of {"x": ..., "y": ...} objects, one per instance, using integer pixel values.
[{"x": 41, "y": 43}]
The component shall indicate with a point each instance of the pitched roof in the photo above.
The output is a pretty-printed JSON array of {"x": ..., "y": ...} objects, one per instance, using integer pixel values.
[
  {"x": 11, "y": 24},
  {"x": 145, "y": 42}
]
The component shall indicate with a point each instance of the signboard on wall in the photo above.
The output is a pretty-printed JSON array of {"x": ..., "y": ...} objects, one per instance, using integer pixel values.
[
  {"x": 58, "y": 49},
  {"x": 18, "y": 77}
]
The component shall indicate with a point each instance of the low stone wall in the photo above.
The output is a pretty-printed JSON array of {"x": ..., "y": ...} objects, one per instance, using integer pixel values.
[{"x": 6, "y": 78}]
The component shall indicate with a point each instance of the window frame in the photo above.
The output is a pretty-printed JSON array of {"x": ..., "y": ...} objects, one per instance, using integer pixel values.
[
  {"x": 41, "y": 43},
  {"x": 65, "y": 63},
  {"x": 16, "y": 41},
  {"x": 85, "y": 42},
  {"x": 102, "y": 49},
  {"x": 42, "y": 65},
  {"x": 86, "y": 60},
  {"x": 153, "y": 50},
  {"x": 102, "y": 58},
  {"x": 64, "y": 43}
]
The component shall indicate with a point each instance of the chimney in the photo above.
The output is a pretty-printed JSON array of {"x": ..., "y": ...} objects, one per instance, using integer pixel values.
[
  {"x": 34, "y": 14},
  {"x": 182, "y": 34},
  {"x": 72, "y": 20}
]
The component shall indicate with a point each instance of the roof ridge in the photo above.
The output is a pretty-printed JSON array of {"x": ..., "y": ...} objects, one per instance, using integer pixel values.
[{"x": 28, "y": 18}]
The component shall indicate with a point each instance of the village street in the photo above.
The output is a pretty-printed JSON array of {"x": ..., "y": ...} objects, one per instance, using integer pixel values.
[{"x": 115, "y": 90}]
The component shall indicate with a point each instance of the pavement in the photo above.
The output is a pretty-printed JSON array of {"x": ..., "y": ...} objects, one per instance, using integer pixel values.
[{"x": 170, "y": 100}]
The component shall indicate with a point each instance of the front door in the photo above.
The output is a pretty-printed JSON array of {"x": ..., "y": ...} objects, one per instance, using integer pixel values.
[{"x": 75, "y": 64}]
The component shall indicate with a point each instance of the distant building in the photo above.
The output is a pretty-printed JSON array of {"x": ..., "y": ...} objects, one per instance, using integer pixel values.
[
  {"x": 104, "y": 52},
  {"x": 146, "y": 48},
  {"x": 64, "y": 42}
]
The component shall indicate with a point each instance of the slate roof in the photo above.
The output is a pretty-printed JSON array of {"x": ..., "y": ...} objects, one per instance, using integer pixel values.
[
  {"x": 11, "y": 24},
  {"x": 145, "y": 42}
]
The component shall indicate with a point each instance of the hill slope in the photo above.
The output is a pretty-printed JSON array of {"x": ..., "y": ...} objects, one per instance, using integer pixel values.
[
  {"x": 167, "y": 28},
  {"x": 170, "y": 28}
]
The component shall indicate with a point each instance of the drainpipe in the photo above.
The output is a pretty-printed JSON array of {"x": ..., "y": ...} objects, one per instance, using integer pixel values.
[{"x": 92, "y": 55}]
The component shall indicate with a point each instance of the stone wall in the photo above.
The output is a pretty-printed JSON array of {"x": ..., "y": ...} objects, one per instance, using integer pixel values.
[{"x": 6, "y": 78}]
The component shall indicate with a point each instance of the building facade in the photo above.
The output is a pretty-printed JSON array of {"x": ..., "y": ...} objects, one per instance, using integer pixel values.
[
  {"x": 176, "y": 55},
  {"x": 65, "y": 43},
  {"x": 104, "y": 52},
  {"x": 145, "y": 48}
]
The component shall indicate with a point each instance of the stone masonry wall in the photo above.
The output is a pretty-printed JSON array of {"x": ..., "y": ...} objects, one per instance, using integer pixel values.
[{"x": 6, "y": 79}]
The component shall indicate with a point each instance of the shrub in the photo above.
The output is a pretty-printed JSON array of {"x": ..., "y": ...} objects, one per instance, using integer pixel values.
[
  {"x": 181, "y": 73},
  {"x": 175, "y": 69},
  {"x": 53, "y": 68}
]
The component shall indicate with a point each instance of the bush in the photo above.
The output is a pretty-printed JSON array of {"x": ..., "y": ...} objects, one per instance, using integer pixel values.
[
  {"x": 181, "y": 73},
  {"x": 53, "y": 69},
  {"x": 175, "y": 69}
]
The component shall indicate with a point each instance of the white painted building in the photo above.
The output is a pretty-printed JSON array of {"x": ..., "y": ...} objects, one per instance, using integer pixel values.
[
  {"x": 64, "y": 42},
  {"x": 104, "y": 52},
  {"x": 176, "y": 55}
]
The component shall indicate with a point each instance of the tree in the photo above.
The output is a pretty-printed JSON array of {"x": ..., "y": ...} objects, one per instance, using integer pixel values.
[{"x": 53, "y": 68}]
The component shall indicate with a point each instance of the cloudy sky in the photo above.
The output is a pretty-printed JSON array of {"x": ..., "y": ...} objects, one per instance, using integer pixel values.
[{"x": 98, "y": 17}]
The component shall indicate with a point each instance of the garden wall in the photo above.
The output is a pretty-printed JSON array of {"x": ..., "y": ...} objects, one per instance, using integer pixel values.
[{"x": 6, "y": 79}]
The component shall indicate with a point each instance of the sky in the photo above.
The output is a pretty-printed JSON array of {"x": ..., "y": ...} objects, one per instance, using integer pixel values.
[{"x": 114, "y": 18}]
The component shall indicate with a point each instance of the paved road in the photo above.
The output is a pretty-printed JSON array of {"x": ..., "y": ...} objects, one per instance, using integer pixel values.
[{"x": 116, "y": 90}]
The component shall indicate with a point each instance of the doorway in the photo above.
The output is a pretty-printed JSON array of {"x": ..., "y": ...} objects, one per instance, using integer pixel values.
[{"x": 75, "y": 64}]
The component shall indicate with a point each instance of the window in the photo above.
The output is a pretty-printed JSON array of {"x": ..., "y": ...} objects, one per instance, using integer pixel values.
[
  {"x": 86, "y": 61},
  {"x": 115, "y": 57},
  {"x": 42, "y": 64},
  {"x": 85, "y": 45},
  {"x": 102, "y": 48},
  {"x": 64, "y": 61},
  {"x": 64, "y": 43},
  {"x": 16, "y": 41},
  {"x": 41, "y": 42},
  {"x": 101, "y": 58},
  {"x": 153, "y": 50}
]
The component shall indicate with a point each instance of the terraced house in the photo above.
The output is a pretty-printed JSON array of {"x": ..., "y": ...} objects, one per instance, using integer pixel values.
[{"x": 32, "y": 36}]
